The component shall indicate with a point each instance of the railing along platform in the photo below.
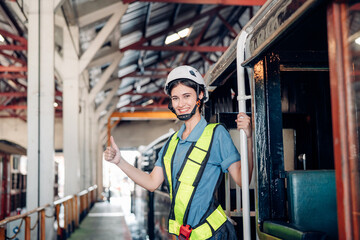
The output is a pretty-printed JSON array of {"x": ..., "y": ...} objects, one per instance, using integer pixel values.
[
  {"x": 25, "y": 217},
  {"x": 68, "y": 213}
]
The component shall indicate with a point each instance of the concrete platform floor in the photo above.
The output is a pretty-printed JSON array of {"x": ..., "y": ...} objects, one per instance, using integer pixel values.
[{"x": 104, "y": 221}]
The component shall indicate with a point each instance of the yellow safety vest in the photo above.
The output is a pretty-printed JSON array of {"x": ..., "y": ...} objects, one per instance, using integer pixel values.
[{"x": 190, "y": 176}]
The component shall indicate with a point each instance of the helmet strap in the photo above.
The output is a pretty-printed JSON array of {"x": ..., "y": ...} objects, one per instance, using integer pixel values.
[{"x": 185, "y": 117}]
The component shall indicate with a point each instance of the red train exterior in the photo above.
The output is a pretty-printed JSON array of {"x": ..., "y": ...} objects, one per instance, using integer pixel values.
[{"x": 12, "y": 178}]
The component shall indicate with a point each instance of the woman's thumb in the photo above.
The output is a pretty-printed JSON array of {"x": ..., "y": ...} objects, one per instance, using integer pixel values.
[{"x": 113, "y": 144}]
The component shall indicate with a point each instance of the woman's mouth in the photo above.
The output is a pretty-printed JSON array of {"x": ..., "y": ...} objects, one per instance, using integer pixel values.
[{"x": 182, "y": 111}]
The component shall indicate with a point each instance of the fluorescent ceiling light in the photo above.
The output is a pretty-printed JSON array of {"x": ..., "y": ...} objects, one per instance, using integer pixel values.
[
  {"x": 176, "y": 36},
  {"x": 184, "y": 33},
  {"x": 172, "y": 38},
  {"x": 357, "y": 41}
]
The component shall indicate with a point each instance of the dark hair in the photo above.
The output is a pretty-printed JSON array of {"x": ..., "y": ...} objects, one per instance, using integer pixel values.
[{"x": 188, "y": 83}]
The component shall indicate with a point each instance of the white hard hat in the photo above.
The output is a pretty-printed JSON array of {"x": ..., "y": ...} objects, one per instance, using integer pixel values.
[{"x": 186, "y": 72}]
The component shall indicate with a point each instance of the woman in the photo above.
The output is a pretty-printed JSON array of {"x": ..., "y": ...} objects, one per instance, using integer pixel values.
[{"x": 192, "y": 161}]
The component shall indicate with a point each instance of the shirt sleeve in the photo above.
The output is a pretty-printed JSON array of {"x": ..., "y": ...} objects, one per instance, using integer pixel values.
[{"x": 226, "y": 150}]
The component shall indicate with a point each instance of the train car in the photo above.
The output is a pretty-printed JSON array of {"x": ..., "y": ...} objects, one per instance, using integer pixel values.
[
  {"x": 151, "y": 208},
  {"x": 298, "y": 63},
  {"x": 12, "y": 179}
]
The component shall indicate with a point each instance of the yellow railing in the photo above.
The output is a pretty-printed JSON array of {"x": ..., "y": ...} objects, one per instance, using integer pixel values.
[{"x": 75, "y": 208}]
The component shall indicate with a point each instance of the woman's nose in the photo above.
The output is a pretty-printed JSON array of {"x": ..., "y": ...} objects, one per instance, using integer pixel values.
[{"x": 181, "y": 101}]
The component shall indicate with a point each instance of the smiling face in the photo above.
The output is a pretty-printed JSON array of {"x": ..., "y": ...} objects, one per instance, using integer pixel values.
[{"x": 183, "y": 99}]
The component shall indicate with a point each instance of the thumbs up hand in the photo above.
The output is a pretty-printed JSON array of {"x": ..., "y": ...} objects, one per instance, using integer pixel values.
[{"x": 112, "y": 153}]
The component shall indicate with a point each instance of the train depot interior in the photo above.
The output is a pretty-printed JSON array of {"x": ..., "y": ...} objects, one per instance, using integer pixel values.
[{"x": 75, "y": 72}]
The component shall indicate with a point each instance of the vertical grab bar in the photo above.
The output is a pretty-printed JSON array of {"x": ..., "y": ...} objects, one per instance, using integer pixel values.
[{"x": 240, "y": 50}]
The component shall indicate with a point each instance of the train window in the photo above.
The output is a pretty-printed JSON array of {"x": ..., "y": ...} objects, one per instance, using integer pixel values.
[
  {"x": 354, "y": 106},
  {"x": 307, "y": 128},
  {"x": 15, "y": 162},
  {"x": 354, "y": 72}
]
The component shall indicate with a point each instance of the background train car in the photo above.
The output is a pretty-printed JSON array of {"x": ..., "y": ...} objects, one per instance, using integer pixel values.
[
  {"x": 302, "y": 59},
  {"x": 12, "y": 178},
  {"x": 151, "y": 208}
]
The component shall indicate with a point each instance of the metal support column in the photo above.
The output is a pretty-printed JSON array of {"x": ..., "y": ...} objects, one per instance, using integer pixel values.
[
  {"x": 70, "y": 77},
  {"x": 40, "y": 177}
]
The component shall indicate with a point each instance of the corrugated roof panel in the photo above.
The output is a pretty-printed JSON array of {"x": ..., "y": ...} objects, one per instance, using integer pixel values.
[
  {"x": 161, "y": 12},
  {"x": 126, "y": 40},
  {"x": 151, "y": 30}
]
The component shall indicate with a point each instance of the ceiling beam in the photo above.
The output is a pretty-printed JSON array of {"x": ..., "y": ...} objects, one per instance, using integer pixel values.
[
  {"x": 12, "y": 68},
  {"x": 21, "y": 40},
  {"x": 104, "y": 119},
  {"x": 107, "y": 57},
  {"x": 147, "y": 94},
  {"x": 13, "y": 107},
  {"x": 99, "y": 14},
  {"x": 21, "y": 94},
  {"x": 151, "y": 106},
  {"x": 105, "y": 77},
  {"x": 176, "y": 27},
  {"x": 16, "y": 59},
  {"x": 166, "y": 115},
  {"x": 13, "y": 47},
  {"x": 13, "y": 94},
  {"x": 100, "y": 38},
  {"x": 199, "y": 38},
  {"x": 158, "y": 69},
  {"x": 231, "y": 29},
  {"x": 220, "y": 2},
  {"x": 58, "y": 4},
  {"x": 181, "y": 48},
  {"x": 114, "y": 86},
  {"x": 152, "y": 76},
  {"x": 12, "y": 76}
]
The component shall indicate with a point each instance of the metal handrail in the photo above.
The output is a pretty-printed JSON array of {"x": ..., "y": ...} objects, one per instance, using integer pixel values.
[
  {"x": 76, "y": 207},
  {"x": 13, "y": 218},
  {"x": 71, "y": 219},
  {"x": 64, "y": 199},
  {"x": 72, "y": 214},
  {"x": 27, "y": 218}
]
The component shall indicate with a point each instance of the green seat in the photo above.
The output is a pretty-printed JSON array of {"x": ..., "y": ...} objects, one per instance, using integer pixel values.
[
  {"x": 311, "y": 206},
  {"x": 312, "y": 201}
]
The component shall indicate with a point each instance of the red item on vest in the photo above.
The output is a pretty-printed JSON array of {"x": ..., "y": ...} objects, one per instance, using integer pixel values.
[{"x": 185, "y": 232}]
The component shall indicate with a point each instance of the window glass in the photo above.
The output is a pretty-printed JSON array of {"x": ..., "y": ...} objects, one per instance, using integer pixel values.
[{"x": 354, "y": 93}]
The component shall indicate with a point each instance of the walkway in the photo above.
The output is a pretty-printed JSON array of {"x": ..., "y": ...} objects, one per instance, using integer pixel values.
[{"x": 105, "y": 221}]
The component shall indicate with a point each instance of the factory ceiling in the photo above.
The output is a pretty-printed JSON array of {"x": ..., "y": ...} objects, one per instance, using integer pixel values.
[{"x": 200, "y": 30}]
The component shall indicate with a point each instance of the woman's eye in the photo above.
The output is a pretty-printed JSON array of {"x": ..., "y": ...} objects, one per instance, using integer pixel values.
[{"x": 187, "y": 96}]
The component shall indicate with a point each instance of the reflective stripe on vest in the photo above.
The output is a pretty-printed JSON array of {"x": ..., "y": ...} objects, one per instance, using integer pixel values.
[
  {"x": 168, "y": 161},
  {"x": 188, "y": 181}
]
